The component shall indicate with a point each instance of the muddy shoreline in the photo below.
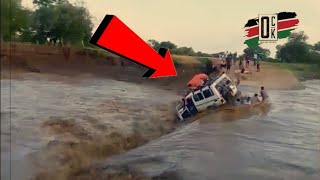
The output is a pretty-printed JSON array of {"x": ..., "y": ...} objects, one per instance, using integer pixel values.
[{"x": 84, "y": 63}]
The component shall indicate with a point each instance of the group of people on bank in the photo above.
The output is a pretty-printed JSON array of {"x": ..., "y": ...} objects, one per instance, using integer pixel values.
[{"x": 227, "y": 61}]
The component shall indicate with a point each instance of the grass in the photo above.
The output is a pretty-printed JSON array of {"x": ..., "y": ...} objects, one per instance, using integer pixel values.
[
  {"x": 184, "y": 59},
  {"x": 302, "y": 71},
  {"x": 202, "y": 60}
]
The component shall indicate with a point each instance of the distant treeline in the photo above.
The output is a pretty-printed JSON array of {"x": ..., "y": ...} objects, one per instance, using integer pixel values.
[
  {"x": 60, "y": 22},
  {"x": 51, "y": 21},
  {"x": 174, "y": 49},
  {"x": 295, "y": 50}
]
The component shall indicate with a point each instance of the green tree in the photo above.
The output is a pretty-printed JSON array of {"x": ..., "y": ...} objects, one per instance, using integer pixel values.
[
  {"x": 295, "y": 50},
  {"x": 201, "y": 54},
  {"x": 184, "y": 51},
  {"x": 14, "y": 18},
  {"x": 154, "y": 44},
  {"x": 317, "y": 46},
  {"x": 174, "y": 49},
  {"x": 298, "y": 37},
  {"x": 67, "y": 22},
  {"x": 168, "y": 45},
  {"x": 262, "y": 52},
  {"x": 47, "y": 3},
  {"x": 165, "y": 44}
]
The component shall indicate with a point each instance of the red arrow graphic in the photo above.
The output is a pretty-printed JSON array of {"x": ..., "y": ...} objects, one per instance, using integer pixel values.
[{"x": 114, "y": 36}]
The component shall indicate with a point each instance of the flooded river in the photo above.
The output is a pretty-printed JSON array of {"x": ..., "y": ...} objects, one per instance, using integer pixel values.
[
  {"x": 277, "y": 142},
  {"x": 82, "y": 112}
]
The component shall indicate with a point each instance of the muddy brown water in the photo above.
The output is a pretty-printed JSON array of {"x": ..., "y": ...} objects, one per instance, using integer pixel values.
[
  {"x": 43, "y": 113},
  {"x": 281, "y": 141}
]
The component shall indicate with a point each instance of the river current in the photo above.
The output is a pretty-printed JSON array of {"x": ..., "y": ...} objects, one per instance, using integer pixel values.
[{"x": 278, "y": 141}]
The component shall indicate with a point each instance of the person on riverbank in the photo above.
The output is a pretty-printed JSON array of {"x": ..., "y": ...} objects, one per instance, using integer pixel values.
[
  {"x": 258, "y": 65},
  {"x": 235, "y": 58},
  {"x": 209, "y": 67},
  {"x": 228, "y": 62},
  {"x": 263, "y": 93},
  {"x": 255, "y": 57},
  {"x": 240, "y": 63},
  {"x": 247, "y": 61},
  {"x": 241, "y": 67},
  {"x": 238, "y": 78},
  {"x": 232, "y": 59}
]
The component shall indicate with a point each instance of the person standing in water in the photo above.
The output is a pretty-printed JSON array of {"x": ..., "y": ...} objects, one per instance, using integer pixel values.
[
  {"x": 228, "y": 62},
  {"x": 255, "y": 99},
  {"x": 238, "y": 79},
  {"x": 263, "y": 93}
]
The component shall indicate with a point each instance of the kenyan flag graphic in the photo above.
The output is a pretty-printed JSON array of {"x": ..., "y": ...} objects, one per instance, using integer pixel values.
[{"x": 287, "y": 22}]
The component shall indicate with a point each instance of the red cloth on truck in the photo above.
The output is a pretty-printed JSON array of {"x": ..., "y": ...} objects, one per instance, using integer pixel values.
[
  {"x": 197, "y": 80},
  {"x": 201, "y": 76}
]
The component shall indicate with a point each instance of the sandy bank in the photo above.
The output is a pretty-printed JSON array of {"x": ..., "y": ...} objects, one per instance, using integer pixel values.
[
  {"x": 270, "y": 76},
  {"x": 80, "y": 64}
]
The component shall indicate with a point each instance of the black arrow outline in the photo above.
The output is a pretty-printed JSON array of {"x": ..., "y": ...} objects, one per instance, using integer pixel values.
[{"x": 97, "y": 35}]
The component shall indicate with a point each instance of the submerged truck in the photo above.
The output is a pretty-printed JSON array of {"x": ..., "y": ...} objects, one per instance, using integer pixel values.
[{"x": 211, "y": 94}]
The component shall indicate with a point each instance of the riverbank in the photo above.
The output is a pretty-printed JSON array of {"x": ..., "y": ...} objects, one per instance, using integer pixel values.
[
  {"x": 81, "y": 64},
  {"x": 271, "y": 77},
  {"x": 107, "y": 105},
  {"x": 301, "y": 71}
]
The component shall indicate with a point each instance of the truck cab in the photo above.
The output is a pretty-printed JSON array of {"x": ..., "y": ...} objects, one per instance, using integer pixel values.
[{"x": 214, "y": 93}]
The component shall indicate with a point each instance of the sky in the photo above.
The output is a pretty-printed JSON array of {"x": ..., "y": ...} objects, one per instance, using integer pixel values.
[{"x": 206, "y": 25}]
